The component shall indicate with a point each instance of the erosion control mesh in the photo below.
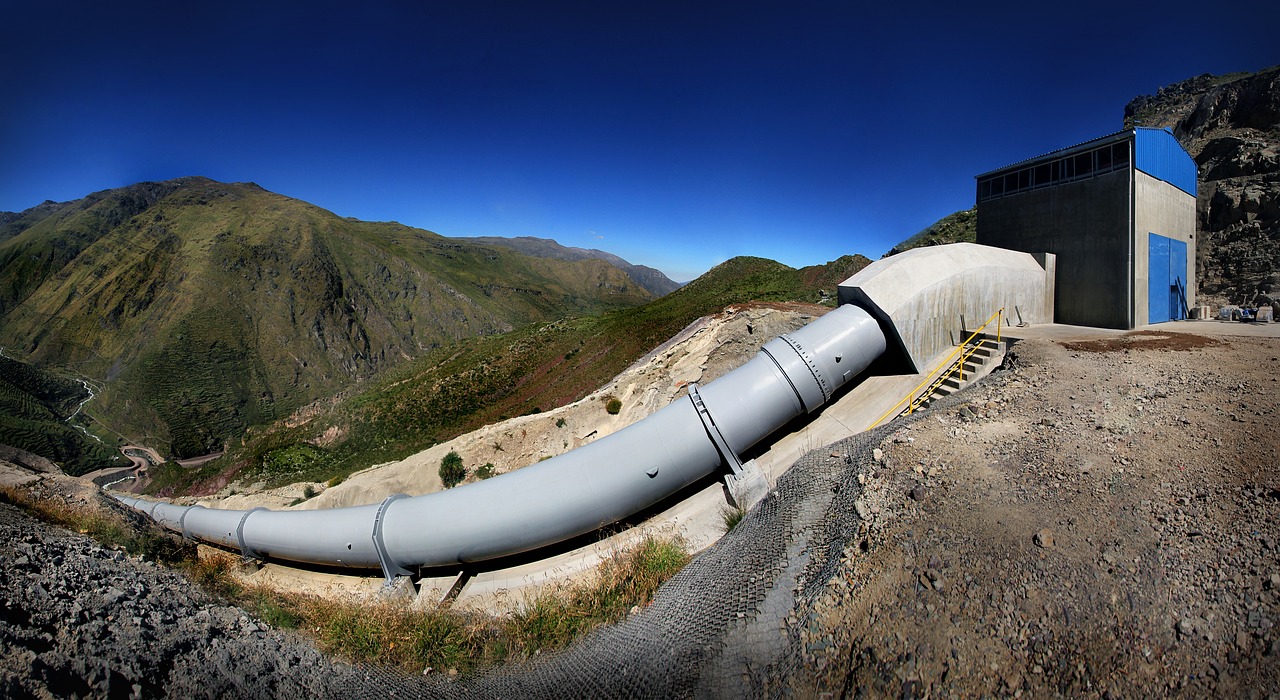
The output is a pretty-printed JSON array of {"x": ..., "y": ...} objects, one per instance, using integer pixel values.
[{"x": 723, "y": 626}]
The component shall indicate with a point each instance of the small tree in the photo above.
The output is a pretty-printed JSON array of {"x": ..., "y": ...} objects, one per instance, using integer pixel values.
[
  {"x": 452, "y": 472},
  {"x": 613, "y": 405}
]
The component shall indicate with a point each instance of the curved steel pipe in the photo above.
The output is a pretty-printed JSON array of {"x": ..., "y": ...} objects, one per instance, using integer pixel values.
[{"x": 569, "y": 495}]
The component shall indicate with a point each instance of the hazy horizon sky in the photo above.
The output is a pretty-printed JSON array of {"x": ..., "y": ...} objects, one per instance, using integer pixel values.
[{"x": 674, "y": 134}]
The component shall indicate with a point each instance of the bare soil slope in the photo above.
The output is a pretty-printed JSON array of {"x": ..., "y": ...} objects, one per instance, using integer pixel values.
[{"x": 1100, "y": 520}]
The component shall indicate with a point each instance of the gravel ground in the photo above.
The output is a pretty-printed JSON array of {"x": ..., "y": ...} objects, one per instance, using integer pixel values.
[
  {"x": 1099, "y": 520},
  {"x": 79, "y": 620}
]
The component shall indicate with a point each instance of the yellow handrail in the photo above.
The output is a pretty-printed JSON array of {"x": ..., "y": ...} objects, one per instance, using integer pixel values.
[{"x": 911, "y": 396}]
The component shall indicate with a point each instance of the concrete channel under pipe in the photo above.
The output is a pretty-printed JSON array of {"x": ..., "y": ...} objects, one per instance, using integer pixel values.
[{"x": 575, "y": 493}]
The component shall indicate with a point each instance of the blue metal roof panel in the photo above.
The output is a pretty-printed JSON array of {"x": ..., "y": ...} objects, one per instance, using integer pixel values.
[{"x": 1158, "y": 154}]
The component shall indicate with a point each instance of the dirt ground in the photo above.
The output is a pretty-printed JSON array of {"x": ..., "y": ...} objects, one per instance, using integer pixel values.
[{"x": 1099, "y": 519}]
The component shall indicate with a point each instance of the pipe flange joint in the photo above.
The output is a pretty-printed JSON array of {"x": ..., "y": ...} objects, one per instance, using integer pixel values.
[
  {"x": 390, "y": 569},
  {"x": 800, "y": 370},
  {"x": 182, "y": 522},
  {"x": 812, "y": 364},
  {"x": 245, "y": 550}
]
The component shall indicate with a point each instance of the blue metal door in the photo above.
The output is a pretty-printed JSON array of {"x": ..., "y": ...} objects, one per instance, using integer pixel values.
[
  {"x": 1177, "y": 279},
  {"x": 1166, "y": 279},
  {"x": 1157, "y": 278}
]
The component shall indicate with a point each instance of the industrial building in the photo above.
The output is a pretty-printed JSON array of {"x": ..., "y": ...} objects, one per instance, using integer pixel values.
[{"x": 1118, "y": 212}]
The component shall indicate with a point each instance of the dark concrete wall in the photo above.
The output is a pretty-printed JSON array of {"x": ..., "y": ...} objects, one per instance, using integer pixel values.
[{"x": 1086, "y": 225}]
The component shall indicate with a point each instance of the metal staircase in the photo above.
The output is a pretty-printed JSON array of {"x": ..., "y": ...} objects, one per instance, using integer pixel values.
[
  {"x": 972, "y": 360},
  {"x": 986, "y": 356}
]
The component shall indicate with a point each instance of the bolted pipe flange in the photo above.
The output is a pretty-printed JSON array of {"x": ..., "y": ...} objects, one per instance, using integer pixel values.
[
  {"x": 390, "y": 569},
  {"x": 182, "y": 522},
  {"x": 713, "y": 431},
  {"x": 245, "y": 550}
]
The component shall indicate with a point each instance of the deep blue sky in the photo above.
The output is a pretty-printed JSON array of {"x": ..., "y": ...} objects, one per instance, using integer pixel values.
[{"x": 675, "y": 134}]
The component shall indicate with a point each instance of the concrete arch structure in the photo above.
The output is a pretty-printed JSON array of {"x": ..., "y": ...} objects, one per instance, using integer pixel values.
[{"x": 929, "y": 299}]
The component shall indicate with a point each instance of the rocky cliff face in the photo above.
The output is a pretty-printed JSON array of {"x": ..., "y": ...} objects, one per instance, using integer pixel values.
[{"x": 1231, "y": 127}]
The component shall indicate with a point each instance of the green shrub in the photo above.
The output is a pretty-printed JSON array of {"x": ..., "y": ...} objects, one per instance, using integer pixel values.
[
  {"x": 335, "y": 481},
  {"x": 559, "y": 422},
  {"x": 485, "y": 471},
  {"x": 613, "y": 405},
  {"x": 291, "y": 459},
  {"x": 308, "y": 492},
  {"x": 452, "y": 471}
]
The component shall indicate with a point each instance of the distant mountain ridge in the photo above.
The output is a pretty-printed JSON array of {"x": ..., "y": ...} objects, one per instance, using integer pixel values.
[
  {"x": 651, "y": 279},
  {"x": 205, "y": 307}
]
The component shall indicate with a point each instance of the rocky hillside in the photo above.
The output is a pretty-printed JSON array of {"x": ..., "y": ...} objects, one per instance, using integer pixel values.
[
  {"x": 204, "y": 307},
  {"x": 960, "y": 227},
  {"x": 1231, "y": 126},
  {"x": 653, "y": 280}
]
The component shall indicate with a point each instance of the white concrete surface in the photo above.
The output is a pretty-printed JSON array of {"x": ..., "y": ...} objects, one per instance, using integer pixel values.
[{"x": 935, "y": 296}]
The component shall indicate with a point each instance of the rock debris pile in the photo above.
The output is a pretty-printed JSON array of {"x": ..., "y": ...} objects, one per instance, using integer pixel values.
[{"x": 78, "y": 620}]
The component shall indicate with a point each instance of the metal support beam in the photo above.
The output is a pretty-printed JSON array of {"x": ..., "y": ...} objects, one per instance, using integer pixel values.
[{"x": 730, "y": 457}]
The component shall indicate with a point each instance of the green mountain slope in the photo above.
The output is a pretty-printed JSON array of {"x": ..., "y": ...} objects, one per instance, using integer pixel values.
[
  {"x": 653, "y": 280},
  {"x": 206, "y": 307},
  {"x": 960, "y": 227},
  {"x": 482, "y": 380},
  {"x": 34, "y": 409}
]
